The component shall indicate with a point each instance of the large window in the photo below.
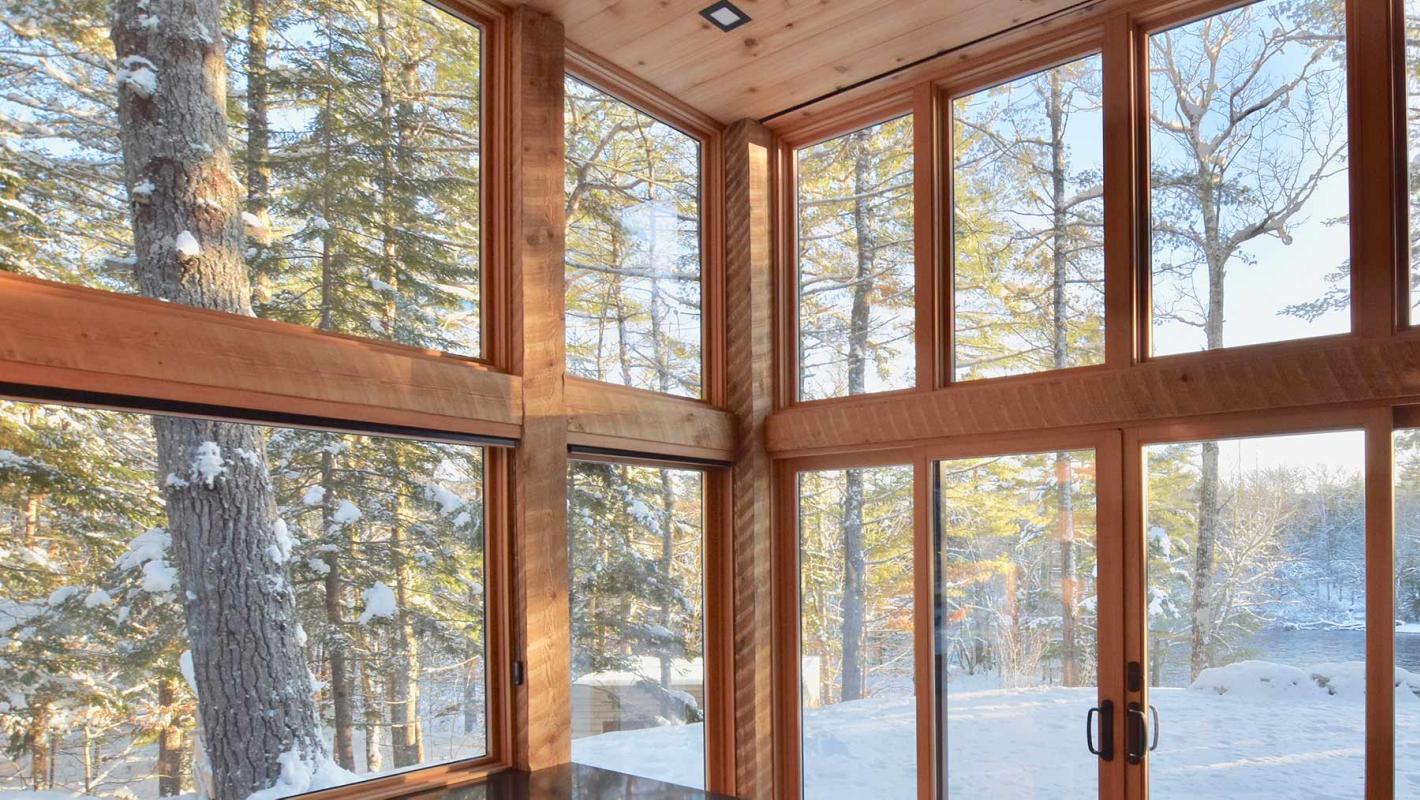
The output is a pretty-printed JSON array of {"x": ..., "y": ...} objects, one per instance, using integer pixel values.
[
  {"x": 211, "y": 607},
  {"x": 1017, "y": 647},
  {"x": 1248, "y": 139},
  {"x": 855, "y": 263},
  {"x": 1256, "y": 616},
  {"x": 336, "y": 184},
  {"x": 633, "y": 246},
  {"x": 1028, "y": 224},
  {"x": 856, "y": 634},
  {"x": 1407, "y": 605},
  {"x": 636, "y": 536}
]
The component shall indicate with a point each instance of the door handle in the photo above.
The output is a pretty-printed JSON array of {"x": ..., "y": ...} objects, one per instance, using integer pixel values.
[
  {"x": 1141, "y": 740},
  {"x": 1105, "y": 750}
]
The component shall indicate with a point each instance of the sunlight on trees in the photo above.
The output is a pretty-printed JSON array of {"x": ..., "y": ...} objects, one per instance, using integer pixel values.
[
  {"x": 633, "y": 246},
  {"x": 1028, "y": 224},
  {"x": 1017, "y": 592},
  {"x": 855, "y": 263}
]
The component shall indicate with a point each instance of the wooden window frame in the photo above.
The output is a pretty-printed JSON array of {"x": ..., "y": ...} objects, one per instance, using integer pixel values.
[
  {"x": 603, "y": 76},
  {"x": 1364, "y": 379},
  {"x": 717, "y": 607},
  {"x": 887, "y": 108},
  {"x": 1082, "y": 44}
]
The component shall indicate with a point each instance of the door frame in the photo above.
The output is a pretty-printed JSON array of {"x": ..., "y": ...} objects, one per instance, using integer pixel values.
[{"x": 1376, "y": 425}]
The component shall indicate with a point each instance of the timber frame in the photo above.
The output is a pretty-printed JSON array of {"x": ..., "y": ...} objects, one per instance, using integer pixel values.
[{"x": 749, "y": 433}]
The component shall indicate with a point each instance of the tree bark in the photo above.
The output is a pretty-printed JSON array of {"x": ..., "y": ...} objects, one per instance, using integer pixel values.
[
  {"x": 1060, "y": 353},
  {"x": 253, "y": 683},
  {"x": 170, "y": 741},
  {"x": 39, "y": 745},
  {"x": 854, "y": 631},
  {"x": 408, "y": 735},
  {"x": 338, "y": 643}
]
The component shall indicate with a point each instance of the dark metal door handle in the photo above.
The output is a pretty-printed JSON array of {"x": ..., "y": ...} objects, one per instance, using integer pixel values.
[
  {"x": 1106, "y": 745},
  {"x": 1140, "y": 739}
]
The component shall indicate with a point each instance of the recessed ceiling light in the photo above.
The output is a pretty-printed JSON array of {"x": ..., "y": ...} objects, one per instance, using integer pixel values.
[{"x": 724, "y": 15}]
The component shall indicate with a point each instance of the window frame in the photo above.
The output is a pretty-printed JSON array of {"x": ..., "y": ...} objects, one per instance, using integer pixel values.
[
  {"x": 785, "y": 156},
  {"x": 592, "y": 70},
  {"x": 498, "y": 721},
  {"x": 1030, "y": 63}
]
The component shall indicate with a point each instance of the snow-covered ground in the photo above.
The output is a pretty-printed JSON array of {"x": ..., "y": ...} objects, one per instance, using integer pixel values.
[{"x": 1253, "y": 730}]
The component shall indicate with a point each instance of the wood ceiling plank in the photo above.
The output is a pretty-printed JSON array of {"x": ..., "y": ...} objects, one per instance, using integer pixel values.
[{"x": 791, "y": 51}]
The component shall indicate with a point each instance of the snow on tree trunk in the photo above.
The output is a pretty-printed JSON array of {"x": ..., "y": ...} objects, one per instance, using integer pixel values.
[{"x": 253, "y": 684}]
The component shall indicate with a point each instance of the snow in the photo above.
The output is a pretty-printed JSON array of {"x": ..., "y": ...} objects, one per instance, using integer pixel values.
[
  {"x": 159, "y": 577},
  {"x": 97, "y": 598},
  {"x": 345, "y": 513},
  {"x": 379, "y": 602},
  {"x": 139, "y": 76},
  {"x": 187, "y": 247},
  {"x": 188, "y": 673},
  {"x": 447, "y": 500},
  {"x": 300, "y": 775},
  {"x": 313, "y": 496},
  {"x": 144, "y": 189},
  {"x": 280, "y": 552},
  {"x": 147, "y": 546},
  {"x": 45, "y": 794},
  {"x": 207, "y": 464},
  {"x": 318, "y": 566},
  {"x": 380, "y": 286},
  {"x": 320, "y": 224},
  {"x": 59, "y": 596},
  {"x": 1265, "y": 738},
  {"x": 254, "y": 224}
]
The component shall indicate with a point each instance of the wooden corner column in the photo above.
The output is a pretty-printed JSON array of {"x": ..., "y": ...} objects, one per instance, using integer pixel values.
[
  {"x": 749, "y": 344},
  {"x": 542, "y": 715}
]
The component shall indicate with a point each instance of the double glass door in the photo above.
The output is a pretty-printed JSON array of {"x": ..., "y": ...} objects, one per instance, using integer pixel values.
[{"x": 1178, "y": 613}]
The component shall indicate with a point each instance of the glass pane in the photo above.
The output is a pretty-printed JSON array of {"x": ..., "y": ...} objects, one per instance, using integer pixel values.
[
  {"x": 1256, "y": 616},
  {"x": 633, "y": 246},
  {"x": 1407, "y": 612},
  {"x": 856, "y": 263},
  {"x": 1017, "y": 644},
  {"x": 855, "y": 582},
  {"x": 350, "y": 207},
  {"x": 174, "y": 586},
  {"x": 1249, "y": 193},
  {"x": 638, "y": 618},
  {"x": 1028, "y": 224}
]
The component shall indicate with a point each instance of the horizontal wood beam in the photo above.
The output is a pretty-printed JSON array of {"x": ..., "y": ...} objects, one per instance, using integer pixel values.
[
  {"x": 1293, "y": 375},
  {"x": 69, "y": 337},
  {"x": 612, "y": 417}
]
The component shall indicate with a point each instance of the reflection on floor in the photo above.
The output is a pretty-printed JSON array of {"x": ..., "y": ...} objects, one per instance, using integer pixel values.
[{"x": 569, "y": 782}]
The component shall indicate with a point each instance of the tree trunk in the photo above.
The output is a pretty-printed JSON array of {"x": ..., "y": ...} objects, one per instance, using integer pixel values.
[
  {"x": 1060, "y": 352},
  {"x": 170, "y": 741},
  {"x": 408, "y": 735},
  {"x": 1209, "y": 520},
  {"x": 337, "y": 643},
  {"x": 373, "y": 715},
  {"x": 258, "y": 159},
  {"x": 39, "y": 745},
  {"x": 854, "y": 580},
  {"x": 255, "y": 701}
]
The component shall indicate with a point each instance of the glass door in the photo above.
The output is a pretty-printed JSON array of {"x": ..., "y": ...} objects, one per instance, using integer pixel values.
[
  {"x": 1024, "y": 555},
  {"x": 1254, "y": 563}
]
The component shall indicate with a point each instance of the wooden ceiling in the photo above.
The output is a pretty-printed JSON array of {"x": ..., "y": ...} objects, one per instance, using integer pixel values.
[{"x": 791, "y": 51}]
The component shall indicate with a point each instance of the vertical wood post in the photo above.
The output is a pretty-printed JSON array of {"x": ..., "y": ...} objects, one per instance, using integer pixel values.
[
  {"x": 749, "y": 312},
  {"x": 542, "y": 715}
]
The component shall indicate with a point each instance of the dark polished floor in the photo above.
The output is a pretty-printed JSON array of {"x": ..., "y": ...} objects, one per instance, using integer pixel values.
[{"x": 568, "y": 782}]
